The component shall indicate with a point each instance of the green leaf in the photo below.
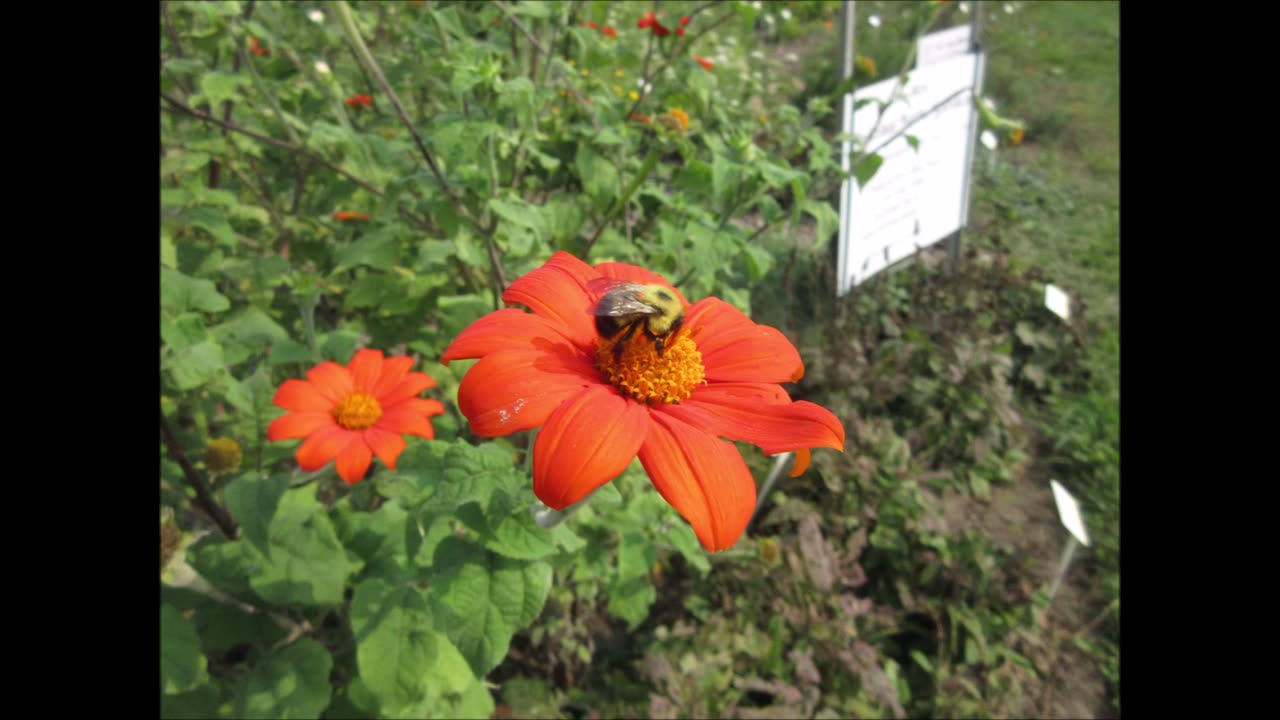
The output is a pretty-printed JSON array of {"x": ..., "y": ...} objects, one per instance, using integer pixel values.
[
  {"x": 520, "y": 213},
  {"x": 252, "y": 327},
  {"x": 599, "y": 177},
  {"x": 212, "y": 221},
  {"x": 226, "y": 564},
  {"x": 181, "y": 293},
  {"x": 377, "y": 537},
  {"x": 865, "y": 170},
  {"x": 292, "y": 683},
  {"x": 252, "y": 500},
  {"x": 827, "y": 218},
  {"x": 183, "y": 332},
  {"x": 459, "y": 311},
  {"x": 338, "y": 345},
  {"x": 182, "y": 663},
  {"x": 196, "y": 365},
  {"x": 381, "y": 253},
  {"x": 307, "y": 565},
  {"x": 484, "y": 599},
  {"x": 630, "y": 600},
  {"x": 288, "y": 351},
  {"x": 198, "y": 704},
  {"x": 913, "y": 141},
  {"x": 759, "y": 261},
  {"x": 402, "y": 658}
]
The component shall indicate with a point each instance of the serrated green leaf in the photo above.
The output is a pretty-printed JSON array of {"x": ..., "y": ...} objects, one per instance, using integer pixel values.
[
  {"x": 759, "y": 261},
  {"x": 521, "y": 214},
  {"x": 226, "y": 564},
  {"x": 252, "y": 500},
  {"x": 338, "y": 345},
  {"x": 182, "y": 663},
  {"x": 483, "y": 599},
  {"x": 251, "y": 327},
  {"x": 291, "y": 683},
  {"x": 378, "y": 537},
  {"x": 307, "y": 565},
  {"x": 913, "y": 141},
  {"x": 402, "y": 658},
  {"x": 181, "y": 293},
  {"x": 518, "y": 536}
]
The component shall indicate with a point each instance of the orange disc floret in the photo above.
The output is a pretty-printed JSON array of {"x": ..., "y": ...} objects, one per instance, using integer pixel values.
[
  {"x": 717, "y": 380},
  {"x": 351, "y": 413}
]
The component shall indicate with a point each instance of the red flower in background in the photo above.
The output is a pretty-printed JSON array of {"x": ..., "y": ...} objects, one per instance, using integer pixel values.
[
  {"x": 255, "y": 49},
  {"x": 705, "y": 63},
  {"x": 360, "y": 101},
  {"x": 683, "y": 21},
  {"x": 590, "y": 23},
  {"x": 601, "y": 402},
  {"x": 639, "y": 118},
  {"x": 613, "y": 34},
  {"x": 349, "y": 215},
  {"x": 355, "y": 412},
  {"x": 650, "y": 21}
]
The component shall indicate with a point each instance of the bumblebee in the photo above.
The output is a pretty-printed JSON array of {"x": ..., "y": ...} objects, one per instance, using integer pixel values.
[{"x": 627, "y": 307}]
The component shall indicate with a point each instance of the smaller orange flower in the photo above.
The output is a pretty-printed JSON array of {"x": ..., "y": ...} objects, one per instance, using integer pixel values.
[
  {"x": 360, "y": 101},
  {"x": 866, "y": 64},
  {"x": 674, "y": 119},
  {"x": 350, "y": 215},
  {"x": 590, "y": 23},
  {"x": 1015, "y": 137},
  {"x": 612, "y": 33},
  {"x": 705, "y": 63},
  {"x": 355, "y": 412},
  {"x": 639, "y": 118},
  {"x": 828, "y": 24},
  {"x": 255, "y": 48}
]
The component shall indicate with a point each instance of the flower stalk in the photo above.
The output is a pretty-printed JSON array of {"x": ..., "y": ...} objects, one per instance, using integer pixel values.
[{"x": 646, "y": 167}]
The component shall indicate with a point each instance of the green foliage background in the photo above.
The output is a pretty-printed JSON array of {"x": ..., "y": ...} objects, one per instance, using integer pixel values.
[{"x": 877, "y": 584}]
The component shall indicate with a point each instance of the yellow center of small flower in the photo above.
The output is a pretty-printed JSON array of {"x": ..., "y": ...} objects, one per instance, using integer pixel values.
[
  {"x": 357, "y": 411},
  {"x": 642, "y": 373}
]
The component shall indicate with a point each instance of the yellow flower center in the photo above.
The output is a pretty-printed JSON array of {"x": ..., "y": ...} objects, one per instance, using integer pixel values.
[
  {"x": 357, "y": 411},
  {"x": 642, "y": 373}
]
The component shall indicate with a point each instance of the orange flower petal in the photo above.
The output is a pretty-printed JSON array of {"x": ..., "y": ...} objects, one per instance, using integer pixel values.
[
  {"x": 557, "y": 292},
  {"x": 515, "y": 390},
  {"x": 365, "y": 368},
  {"x": 502, "y": 330},
  {"x": 736, "y": 349},
  {"x": 635, "y": 274},
  {"x": 393, "y": 371},
  {"x": 735, "y": 413},
  {"x": 331, "y": 380},
  {"x": 423, "y": 406},
  {"x": 297, "y": 425},
  {"x": 409, "y": 386},
  {"x": 322, "y": 446},
  {"x": 585, "y": 443},
  {"x": 386, "y": 445},
  {"x": 301, "y": 396},
  {"x": 354, "y": 459},
  {"x": 406, "y": 422},
  {"x": 702, "y": 477},
  {"x": 801, "y": 463}
]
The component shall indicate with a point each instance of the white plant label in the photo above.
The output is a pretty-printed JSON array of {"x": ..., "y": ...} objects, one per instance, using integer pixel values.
[
  {"x": 1069, "y": 513},
  {"x": 944, "y": 45},
  {"x": 1057, "y": 301}
]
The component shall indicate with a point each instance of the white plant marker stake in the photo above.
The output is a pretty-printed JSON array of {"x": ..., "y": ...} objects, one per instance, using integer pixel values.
[
  {"x": 1069, "y": 514},
  {"x": 1057, "y": 302}
]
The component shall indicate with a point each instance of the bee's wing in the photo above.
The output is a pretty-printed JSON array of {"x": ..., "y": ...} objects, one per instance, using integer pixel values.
[
  {"x": 617, "y": 297},
  {"x": 602, "y": 285}
]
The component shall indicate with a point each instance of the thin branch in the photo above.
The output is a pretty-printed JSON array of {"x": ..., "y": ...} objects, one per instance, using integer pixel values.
[
  {"x": 343, "y": 11},
  {"x": 204, "y": 498},
  {"x": 180, "y": 107},
  {"x": 563, "y": 76}
]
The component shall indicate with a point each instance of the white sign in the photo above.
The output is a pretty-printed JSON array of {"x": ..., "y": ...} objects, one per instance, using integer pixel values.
[
  {"x": 917, "y": 197},
  {"x": 1069, "y": 513},
  {"x": 1057, "y": 301},
  {"x": 944, "y": 45}
]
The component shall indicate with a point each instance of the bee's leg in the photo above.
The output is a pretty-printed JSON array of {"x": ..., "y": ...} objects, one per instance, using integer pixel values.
[{"x": 620, "y": 344}]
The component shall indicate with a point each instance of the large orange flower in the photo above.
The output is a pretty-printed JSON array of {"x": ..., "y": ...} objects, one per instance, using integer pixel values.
[
  {"x": 717, "y": 377},
  {"x": 355, "y": 412}
]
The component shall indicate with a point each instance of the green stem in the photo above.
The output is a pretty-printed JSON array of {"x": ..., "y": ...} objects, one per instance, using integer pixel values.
[{"x": 650, "y": 162}]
